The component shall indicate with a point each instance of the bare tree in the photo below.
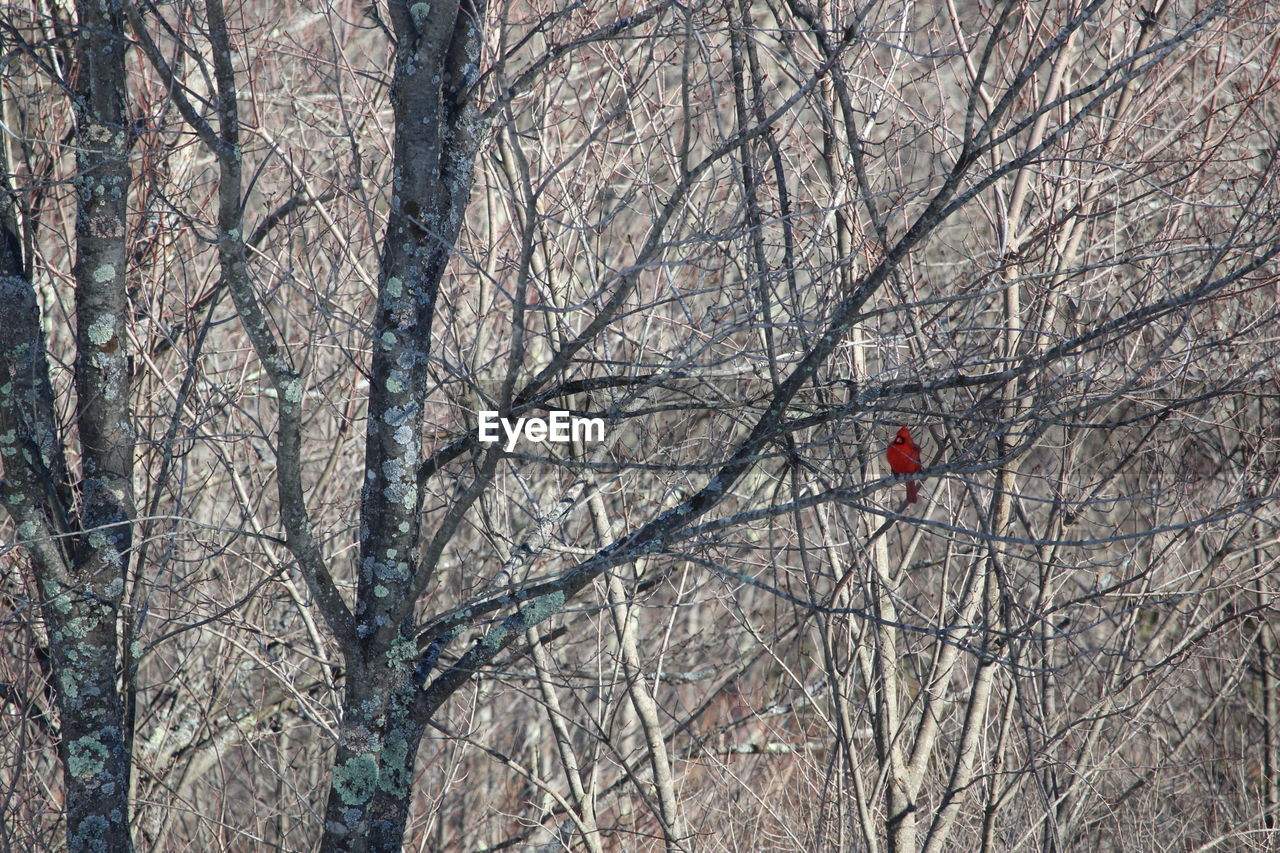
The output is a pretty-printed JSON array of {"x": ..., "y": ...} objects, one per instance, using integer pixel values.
[
  {"x": 77, "y": 535},
  {"x": 752, "y": 239}
]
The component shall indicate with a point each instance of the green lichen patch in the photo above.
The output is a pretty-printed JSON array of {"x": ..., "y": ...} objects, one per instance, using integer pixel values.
[
  {"x": 79, "y": 627},
  {"x": 356, "y": 779},
  {"x": 493, "y": 640},
  {"x": 86, "y": 757},
  {"x": 102, "y": 330},
  {"x": 396, "y": 774},
  {"x": 402, "y": 651},
  {"x": 90, "y": 834},
  {"x": 391, "y": 571},
  {"x": 543, "y": 607}
]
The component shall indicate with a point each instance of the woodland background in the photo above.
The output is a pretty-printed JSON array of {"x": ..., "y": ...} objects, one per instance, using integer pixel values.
[{"x": 263, "y": 262}]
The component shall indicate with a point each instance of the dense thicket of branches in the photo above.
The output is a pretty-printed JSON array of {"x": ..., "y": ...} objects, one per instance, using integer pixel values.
[{"x": 264, "y": 263}]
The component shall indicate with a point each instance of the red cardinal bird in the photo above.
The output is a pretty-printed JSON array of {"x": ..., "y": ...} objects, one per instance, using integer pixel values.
[{"x": 904, "y": 458}]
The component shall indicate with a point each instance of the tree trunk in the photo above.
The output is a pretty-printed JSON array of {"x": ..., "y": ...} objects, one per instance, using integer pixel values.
[
  {"x": 79, "y": 545},
  {"x": 369, "y": 796}
]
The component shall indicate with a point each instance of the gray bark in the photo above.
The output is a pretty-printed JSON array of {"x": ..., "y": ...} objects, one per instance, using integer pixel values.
[
  {"x": 79, "y": 551},
  {"x": 437, "y": 54}
]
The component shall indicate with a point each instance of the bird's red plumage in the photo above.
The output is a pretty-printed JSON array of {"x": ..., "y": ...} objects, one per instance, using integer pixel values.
[{"x": 904, "y": 458}]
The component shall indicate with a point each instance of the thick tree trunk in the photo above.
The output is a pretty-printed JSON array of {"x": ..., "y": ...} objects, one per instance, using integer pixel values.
[
  {"x": 369, "y": 796},
  {"x": 80, "y": 604},
  {"x": 79, "y": 547},
  {"x": 94, "y": 749},
  {"x": 383, "y": 717}
]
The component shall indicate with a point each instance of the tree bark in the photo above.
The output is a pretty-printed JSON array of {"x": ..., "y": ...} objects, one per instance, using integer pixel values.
[
  {"x": 437, "y": 52},
  {"x": 80, "y": 553},
  {"x": 370, "y": 790}
]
